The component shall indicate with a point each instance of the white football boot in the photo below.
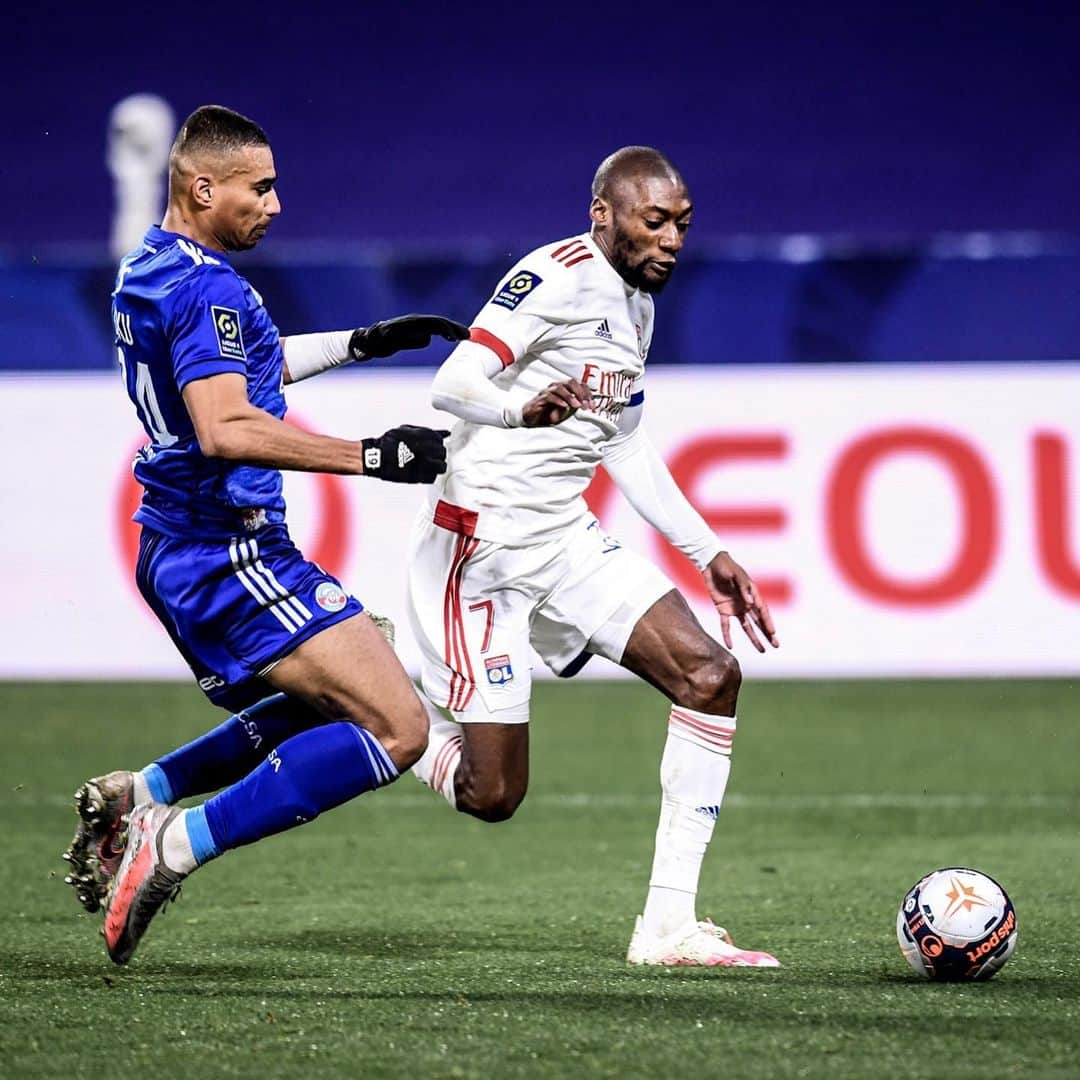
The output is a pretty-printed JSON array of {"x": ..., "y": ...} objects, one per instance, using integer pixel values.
[
  {"x": 144, "y": 884},
  {"x": 697, "y": 944}
]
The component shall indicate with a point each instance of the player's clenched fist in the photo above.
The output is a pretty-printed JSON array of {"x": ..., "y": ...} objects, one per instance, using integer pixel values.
[
  {"x": 556, "y": 403},
  {"x": 406, "y": 455},
  {"x": 405, "y": 332}
]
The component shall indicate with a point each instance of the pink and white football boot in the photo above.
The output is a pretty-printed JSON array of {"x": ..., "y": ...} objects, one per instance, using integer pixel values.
[{"x": 697, "y": 944}]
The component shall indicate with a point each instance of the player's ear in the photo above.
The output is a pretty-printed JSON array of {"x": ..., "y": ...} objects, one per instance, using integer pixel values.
[
  {"x": 202, "y": 191},
  {"x": 600, "y": 212}
]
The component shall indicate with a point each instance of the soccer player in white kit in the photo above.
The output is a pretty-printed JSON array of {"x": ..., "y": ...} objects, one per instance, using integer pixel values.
[{"x": 506, "y": 553}]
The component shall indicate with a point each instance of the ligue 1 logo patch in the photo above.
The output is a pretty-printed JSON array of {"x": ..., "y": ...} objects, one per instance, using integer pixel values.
[
  {"x": 499, "y": 670},
  {"x": 516, "y": 289},
  {"x": 330, "y": 596},
  {"x": 227, "y": 328}
]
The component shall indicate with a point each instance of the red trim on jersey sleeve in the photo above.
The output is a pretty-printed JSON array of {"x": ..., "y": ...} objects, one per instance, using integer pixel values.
[
  {"x": 496, "y": 345},
  {"x": 568, "y": 251},
  {"x": 455, "y": 518}
]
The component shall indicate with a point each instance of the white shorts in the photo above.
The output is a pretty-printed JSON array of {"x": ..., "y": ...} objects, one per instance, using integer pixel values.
[{"x": 476, "y": 607}]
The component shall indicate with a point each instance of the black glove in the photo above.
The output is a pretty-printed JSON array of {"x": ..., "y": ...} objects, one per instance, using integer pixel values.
[
  {"x": 406, "y": 455},
  {"x": 405, "y": 332}
]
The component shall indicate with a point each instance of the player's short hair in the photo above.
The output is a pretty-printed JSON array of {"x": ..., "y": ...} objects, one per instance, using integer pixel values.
[
  {"x": 630, "y": 162},
  {"x": 216, "y": 130}
]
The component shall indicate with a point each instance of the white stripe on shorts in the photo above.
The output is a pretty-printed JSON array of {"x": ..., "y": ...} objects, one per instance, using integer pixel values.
[
  {"x": 260, "y": 588},
  {"x": 299, "y": 609}
]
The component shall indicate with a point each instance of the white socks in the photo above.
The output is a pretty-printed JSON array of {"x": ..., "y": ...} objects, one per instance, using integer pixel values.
[
  {"x": 693, "y": 776},
  {"x": 141, "y": 789},
  {"x": 176, "y": 846},
  {"x": 440, "y": 760}
]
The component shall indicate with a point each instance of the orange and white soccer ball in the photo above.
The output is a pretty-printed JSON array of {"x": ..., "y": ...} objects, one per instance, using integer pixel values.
[{"x": 956, "y": 924}]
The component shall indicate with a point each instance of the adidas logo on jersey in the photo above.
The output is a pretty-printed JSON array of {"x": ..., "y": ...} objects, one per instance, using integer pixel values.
[{"x": 604, "y": 331}]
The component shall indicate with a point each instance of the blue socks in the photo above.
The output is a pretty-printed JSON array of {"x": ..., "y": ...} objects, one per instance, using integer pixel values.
[
  {"x": 305, "y": 775},
  {"x": 230, "y": 751},
  {"x": 199, "y": 836},
  {"x": 316, "y": 766},
  {"x": 158, "y": 783}
]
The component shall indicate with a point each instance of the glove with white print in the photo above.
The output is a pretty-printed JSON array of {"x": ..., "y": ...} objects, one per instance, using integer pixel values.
[{"x": 406, "y": 455}]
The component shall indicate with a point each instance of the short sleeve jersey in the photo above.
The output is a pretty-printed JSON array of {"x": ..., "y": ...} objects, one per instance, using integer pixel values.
[
  {"x": 562, "y": 312},
  {"x": 180, "y": 313}
]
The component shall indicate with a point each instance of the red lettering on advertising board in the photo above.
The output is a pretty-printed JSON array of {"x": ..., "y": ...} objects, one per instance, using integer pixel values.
[
  {"x": 846, "y": 518},
  {"x": 689, "y": 466},
  {"x": 1050, "y": 466}
]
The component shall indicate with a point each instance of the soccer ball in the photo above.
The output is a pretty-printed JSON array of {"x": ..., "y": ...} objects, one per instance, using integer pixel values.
[{"x": 956, "y": 924}]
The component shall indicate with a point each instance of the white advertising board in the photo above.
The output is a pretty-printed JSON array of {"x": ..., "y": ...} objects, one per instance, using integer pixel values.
[{"x": 902, "y": 520}]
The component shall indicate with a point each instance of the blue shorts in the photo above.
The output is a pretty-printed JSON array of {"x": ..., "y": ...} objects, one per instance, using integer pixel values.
[{"x": 235, "y": 607}]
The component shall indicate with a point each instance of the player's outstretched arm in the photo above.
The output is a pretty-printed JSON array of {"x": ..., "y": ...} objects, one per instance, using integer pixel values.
[
  {"x": 642, "y": 476},
  {"x": 228, "y": 426},
  {"x": 312, "y": 354},
  {"x": 405, "y": 332}
]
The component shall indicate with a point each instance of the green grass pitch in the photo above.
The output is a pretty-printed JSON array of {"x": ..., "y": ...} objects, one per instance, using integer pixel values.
[{"x": 395, "y": 938}]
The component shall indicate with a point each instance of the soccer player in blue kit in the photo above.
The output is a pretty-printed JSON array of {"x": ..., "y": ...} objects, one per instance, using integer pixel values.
[{"x": 205, "y": 368}]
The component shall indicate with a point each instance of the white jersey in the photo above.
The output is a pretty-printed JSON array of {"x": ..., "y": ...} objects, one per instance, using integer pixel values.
[{"x": 563, "y": 312}]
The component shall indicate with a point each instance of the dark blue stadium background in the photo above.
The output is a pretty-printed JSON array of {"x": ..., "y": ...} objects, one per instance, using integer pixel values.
[{"x": 423, "y": 147}]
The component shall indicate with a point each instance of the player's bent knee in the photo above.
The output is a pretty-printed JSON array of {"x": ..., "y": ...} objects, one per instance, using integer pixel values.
[
  {"x": 713, "y": 683},
  {"x": 401, "y": 726}
]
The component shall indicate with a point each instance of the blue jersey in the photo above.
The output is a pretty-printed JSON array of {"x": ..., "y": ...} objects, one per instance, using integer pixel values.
[{"x": 180, "y": 313}]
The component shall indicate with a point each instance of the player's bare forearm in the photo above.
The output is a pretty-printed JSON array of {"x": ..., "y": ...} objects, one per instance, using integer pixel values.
[
  {"x": 264, "y": 440},
  {"x": 228, "y": 426},
  {"x": 271, "y": 443}
]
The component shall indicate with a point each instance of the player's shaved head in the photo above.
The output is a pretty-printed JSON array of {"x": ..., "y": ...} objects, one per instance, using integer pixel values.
[
  {"x": 213, "y": 134},
  {"x": 629, "y": 165},
  {"x": 640, "y": 213}
]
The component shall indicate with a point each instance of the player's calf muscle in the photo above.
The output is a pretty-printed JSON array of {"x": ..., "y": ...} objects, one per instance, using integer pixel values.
[
  {"x": 349, "y": 672},
  {"x": 493, "y": 776},
  {"x": 492, "y": 800}
]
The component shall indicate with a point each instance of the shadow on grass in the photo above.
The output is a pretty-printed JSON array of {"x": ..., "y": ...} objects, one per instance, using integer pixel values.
[
  {"x": 46, "y": 968},
  {"x": 371, "y": 942},
  {"x": 427, "y": 968}
]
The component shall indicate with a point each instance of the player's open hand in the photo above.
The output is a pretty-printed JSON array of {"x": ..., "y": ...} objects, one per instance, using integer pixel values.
[
  {"x": 405, "y": 332},
  {"x": 735, "y": 596},
  {"x": 556, "y": 403}
]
